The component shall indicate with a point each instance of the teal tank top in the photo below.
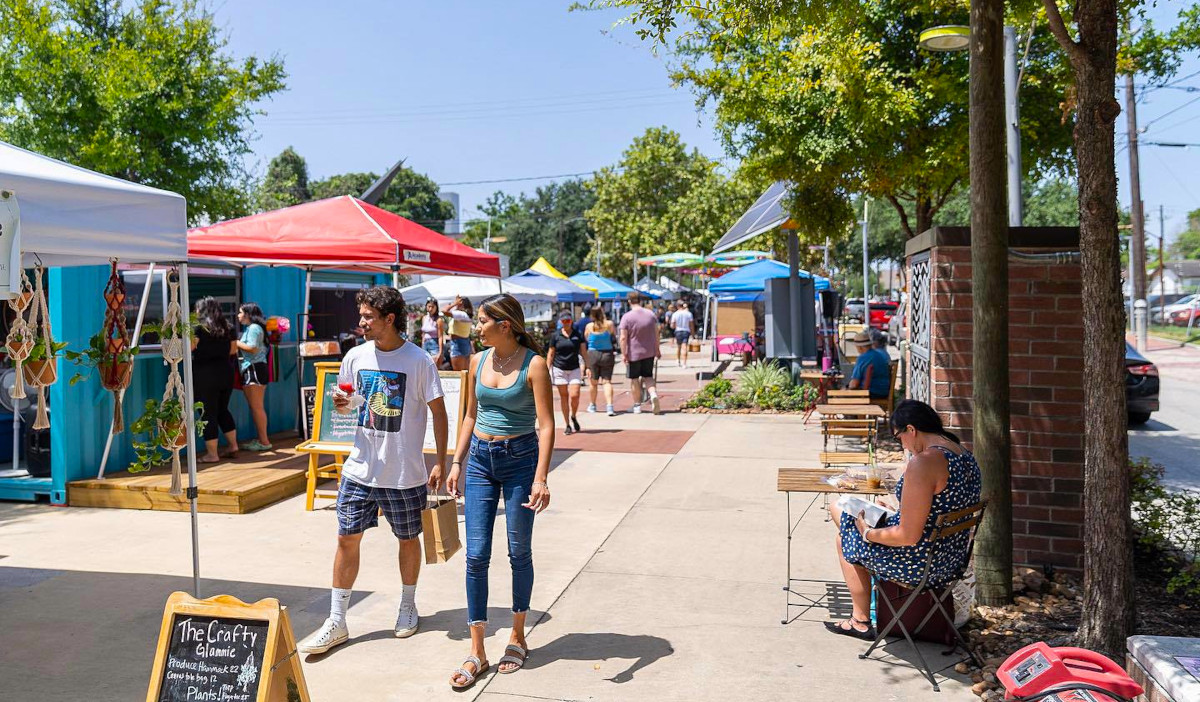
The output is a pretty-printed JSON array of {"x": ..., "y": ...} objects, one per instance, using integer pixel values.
[
  {"x": 504, "y": 411},
  {"x": 602, "y": 341}
]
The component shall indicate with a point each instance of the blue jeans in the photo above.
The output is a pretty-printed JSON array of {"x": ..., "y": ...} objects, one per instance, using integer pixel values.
[{"x": 493, "y": 467}]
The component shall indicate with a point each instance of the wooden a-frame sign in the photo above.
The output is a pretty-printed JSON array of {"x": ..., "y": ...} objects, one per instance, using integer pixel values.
[{"x": 226, "y": 650}]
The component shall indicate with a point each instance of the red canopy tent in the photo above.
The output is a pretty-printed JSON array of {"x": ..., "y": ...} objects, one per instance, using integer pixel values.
[{"x": 338, "y": 232}]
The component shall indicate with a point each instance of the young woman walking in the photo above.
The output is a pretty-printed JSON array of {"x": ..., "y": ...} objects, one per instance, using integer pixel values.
[
  {"x": 433, "y": 330},
  {"x": 255, "y": 374},
  {"x": 601, "y": 337},
  {"x": 500, "y": 453}
]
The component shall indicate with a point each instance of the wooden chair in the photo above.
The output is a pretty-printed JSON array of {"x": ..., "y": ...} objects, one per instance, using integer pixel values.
[
  {"x": 846, "y": 458},
  {"x": 848, "y": 397},
  {"x": 890, "y": 403},
  {"x": 946, "y": 526},
  {"x": 848, "y": 428}
]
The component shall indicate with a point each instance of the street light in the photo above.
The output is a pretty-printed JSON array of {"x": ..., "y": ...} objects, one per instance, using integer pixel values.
[{"x": 958, "y": 38}]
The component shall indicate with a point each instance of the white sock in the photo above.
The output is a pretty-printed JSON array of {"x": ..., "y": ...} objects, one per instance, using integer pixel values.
[
  {"x": 410, "y": 595},
  {"x": 338, "y": 605}
]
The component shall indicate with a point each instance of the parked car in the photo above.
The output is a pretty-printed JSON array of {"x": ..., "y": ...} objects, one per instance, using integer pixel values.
[
  {"x": 1141, "y": 386},
  {"x": 1166, "y": 312},
  {"x": 853, "y": 309},
  {"x": 898, "y": 327},
  {"x": 881, "y": 314},
  {"x": 1180, "y": 318}
]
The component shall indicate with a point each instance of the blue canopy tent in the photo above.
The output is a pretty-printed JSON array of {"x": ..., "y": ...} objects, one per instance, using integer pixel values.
[
  {"x": 747, "y": 283},
  {"x": 608, "y": 288},
  {"x": 564, "y": 290}
]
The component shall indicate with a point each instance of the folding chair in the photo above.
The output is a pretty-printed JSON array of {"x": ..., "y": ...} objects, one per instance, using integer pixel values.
[
  {"x": 848, "y": 397},
  {"x": 947, "y": 525}
]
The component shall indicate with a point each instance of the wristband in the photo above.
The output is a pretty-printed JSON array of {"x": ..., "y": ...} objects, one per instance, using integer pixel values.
[{"x": 542, "y": 483}]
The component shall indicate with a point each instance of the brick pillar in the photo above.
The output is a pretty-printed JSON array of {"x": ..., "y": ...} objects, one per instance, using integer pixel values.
[{"x": 1045, "y": 372}]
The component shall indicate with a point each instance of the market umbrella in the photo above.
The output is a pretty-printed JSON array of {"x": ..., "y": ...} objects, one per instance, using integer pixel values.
[
  {"x": 607, "y": 288},
  {"x": 737, "y": 258},
  {"x": 561, "y": 289},
  {"x": 671, "y": 260}
]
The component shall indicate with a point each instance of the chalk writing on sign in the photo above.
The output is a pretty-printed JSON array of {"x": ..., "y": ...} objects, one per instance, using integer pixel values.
[{"x": 211, "y": 659}]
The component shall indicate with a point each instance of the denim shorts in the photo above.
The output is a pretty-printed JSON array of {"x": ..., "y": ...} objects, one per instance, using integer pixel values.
[
  {"x": 358, "y": 508},
  {"x": 459, "y": 347},
  {"x": 431, "y": 347}
]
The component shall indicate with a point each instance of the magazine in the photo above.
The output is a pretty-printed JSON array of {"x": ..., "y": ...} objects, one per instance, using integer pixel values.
[{"x": 874, "y": 515}]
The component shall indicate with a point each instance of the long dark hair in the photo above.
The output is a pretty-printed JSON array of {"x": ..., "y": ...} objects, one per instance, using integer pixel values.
[
  {"x": 208, "y": 312},
  {"x": 254, "y": 312},
  {"x": 921, "y": 417},
  {"x": 505, "y": 308}
]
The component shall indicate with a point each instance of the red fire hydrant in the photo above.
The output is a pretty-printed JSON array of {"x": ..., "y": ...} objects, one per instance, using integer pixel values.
[{"x": 1039, "y": 673}]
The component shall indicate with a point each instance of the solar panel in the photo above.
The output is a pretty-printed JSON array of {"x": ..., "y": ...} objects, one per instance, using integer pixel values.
[{"x": 764, "y": 215}]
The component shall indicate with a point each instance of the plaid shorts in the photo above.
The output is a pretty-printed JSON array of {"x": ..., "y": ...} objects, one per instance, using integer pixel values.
[{"x": 358, "y": 508}]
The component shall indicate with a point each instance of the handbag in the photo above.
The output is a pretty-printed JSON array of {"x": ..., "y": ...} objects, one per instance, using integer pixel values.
[{"x": 439, "y": 524}]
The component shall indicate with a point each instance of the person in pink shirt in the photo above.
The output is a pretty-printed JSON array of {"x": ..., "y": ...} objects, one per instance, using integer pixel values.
[{"x": 639, "y": 346}]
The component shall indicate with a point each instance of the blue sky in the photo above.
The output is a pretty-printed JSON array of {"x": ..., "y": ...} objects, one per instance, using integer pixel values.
[{"x": 484, "y": 90}]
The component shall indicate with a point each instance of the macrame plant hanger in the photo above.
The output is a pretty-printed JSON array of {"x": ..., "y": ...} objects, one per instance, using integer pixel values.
[
  {"x": 114, "y": 375},
  {"x": 44, "y": 373},
  {"x": 173, "y": 436},
  {"x": 20, "y": 336}
]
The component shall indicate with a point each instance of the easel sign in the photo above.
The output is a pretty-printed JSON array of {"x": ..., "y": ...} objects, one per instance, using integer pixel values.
[
  {"x": 329, "y": 425},
  {"x": 455, "y": 395},
  {"x": 224, "y": 649}
]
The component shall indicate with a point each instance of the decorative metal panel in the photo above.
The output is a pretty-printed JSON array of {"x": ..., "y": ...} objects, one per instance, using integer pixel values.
[{"x": 919, "y": 328}]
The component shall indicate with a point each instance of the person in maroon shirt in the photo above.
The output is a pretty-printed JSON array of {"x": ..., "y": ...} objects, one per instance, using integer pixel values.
[{"x": 639, "y": 346}]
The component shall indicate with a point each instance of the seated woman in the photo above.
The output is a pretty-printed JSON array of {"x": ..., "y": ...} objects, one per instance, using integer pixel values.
[{"x": 940, "y": 478}]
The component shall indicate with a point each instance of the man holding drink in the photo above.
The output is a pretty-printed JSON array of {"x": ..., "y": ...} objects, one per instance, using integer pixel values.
[{"x": 389, "y": 383}]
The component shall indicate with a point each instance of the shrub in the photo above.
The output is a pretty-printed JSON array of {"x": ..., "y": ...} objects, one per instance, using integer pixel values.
[
  {"x": 1167, "y": 521},
  {"x": 759, "y": 376},
  {"x": 713, "y": 393}
]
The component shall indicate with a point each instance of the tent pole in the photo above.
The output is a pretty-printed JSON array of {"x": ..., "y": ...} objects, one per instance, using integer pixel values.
[
  {"x": 190, "y": 422},
  {"x": 794, "y": 300},
  {"x": 137, "y": 335}
]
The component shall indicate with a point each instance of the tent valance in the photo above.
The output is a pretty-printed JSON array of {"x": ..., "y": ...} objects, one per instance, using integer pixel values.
[{"x": 338, "y": 232}]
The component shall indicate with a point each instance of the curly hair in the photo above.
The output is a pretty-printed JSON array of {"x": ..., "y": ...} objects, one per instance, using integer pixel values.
[{"x": 385, "y": 300}]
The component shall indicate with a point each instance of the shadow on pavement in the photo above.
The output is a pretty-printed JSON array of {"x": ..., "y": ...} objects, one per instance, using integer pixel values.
[
  {"x": 67, "y": 631},
  {"x": 646, "y": 650}
]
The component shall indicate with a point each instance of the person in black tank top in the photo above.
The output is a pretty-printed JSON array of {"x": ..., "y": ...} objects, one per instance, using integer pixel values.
[{"x": 566, "y": 369}]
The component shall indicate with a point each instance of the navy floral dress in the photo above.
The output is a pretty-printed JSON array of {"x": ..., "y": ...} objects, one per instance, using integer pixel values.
[{"x": 903, "y": 564}]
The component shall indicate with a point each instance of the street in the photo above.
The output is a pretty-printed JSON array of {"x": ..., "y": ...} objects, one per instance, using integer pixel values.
[{"x": 1172, "y": 436}]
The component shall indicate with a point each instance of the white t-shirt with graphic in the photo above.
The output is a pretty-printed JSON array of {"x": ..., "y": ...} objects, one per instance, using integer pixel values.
[{"x": 397, "y": 385}]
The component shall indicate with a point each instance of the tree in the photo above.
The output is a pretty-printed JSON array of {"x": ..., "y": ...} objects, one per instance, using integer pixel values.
[
  {"x": 144, "y": 91},
  {"x": 661, "y": 198},
  {"x": 411, "y": 195},
  {"x": 1187, "y": 242},
  {"x": 286, "y": 182},
  {"x": 551, "y": 222}
]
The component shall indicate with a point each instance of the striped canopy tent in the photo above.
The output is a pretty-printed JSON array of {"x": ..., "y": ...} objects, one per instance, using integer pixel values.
[
  {"x": 737, "y": 259},
  {"x": 671, "y": 260}
]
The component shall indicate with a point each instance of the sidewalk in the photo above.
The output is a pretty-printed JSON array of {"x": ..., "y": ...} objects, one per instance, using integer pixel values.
[{"x": 659, "y": 577}]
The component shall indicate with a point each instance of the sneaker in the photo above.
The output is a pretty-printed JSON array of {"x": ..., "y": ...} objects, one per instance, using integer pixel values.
[
  {"x": 592, "y": 408},
  {"x": 637, "y": 409},
  {"x": 567, "y": 430},
  {"x": 654, "y": 404},
  {"x": 256, "y": 445},
  {"x": 611, "y": 412},
  {"x": 407, "y": 621},
  {"x": 575, "y": 423},
  {"x": 329, "y": 635}
]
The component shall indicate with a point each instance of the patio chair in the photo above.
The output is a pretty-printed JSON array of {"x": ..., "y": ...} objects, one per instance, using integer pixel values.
[
  {"x": 947, "y": 525},
  {"x": 848, "y": 397},
  {"x": 890, "y": 403}
]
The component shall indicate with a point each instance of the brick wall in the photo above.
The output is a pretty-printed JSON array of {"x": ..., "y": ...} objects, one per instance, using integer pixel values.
[{"x": 1046, "y": 380}]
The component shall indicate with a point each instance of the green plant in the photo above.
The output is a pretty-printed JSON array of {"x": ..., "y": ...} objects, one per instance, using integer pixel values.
[
  {"x": 711, "y": 393},
  {"x": 759, "y": 376},
  {"x": 39, "y": 350},
  {"x": 1167, "y": 521},
  {"x": 160, "y": 423},
  {"x": 790, "y": 398},
  {"x": 97, "y": 354},
  {"x": 162, "y": 329}
]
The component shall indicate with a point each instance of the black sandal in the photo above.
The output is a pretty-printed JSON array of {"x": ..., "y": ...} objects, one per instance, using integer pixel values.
[{"x": 837, "y": 628}]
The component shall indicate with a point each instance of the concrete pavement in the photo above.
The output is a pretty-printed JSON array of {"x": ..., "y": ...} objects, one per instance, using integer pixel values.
[{"x": 659, "y": 577}]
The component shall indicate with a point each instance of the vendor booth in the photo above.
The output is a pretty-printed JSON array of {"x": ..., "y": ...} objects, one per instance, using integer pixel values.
[
  {"x": 80, "y": 223},
  {"x": 606, "y": 288},
  {"x": 445, "y": 288},
  {"x": 562, "y": 289}
]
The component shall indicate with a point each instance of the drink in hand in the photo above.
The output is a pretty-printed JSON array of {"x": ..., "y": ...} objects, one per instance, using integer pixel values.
[
  {"x": 347, "y": 388},
  {"x": 350, "y": 400}
]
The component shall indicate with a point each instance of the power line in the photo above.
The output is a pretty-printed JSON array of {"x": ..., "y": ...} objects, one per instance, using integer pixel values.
[
  {"x": 516, "y": 180},
  {"x": 1168, "y": 114}
]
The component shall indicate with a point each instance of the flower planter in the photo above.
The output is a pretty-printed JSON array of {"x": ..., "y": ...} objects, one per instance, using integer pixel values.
[
  {"x": 17, "y": 349},
  {"x": 40, "y": 373},
  {"x": 172, "y": 435},
  {"x": 115, "y": 376},
  {"x": 172, "y": 349}
]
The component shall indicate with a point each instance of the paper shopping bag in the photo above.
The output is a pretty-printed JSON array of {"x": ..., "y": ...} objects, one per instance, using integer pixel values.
[{"x": 439, "y": 522}]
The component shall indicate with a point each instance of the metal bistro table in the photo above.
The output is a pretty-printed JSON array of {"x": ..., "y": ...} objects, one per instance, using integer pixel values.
[{"x": 810, "y": 481}]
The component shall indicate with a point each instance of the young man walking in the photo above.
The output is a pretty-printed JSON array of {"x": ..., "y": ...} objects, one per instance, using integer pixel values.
[
  {"x": 394, "y": 382},
  {"x": 639, "y": 346},
  {"x": 684, "y": 325}
]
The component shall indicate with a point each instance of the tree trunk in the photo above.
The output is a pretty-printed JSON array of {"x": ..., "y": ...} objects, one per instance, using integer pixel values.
[
  {"x": 1108, "y": 614},
  {"x": 989, "y": 319},
  {"x": 924, "y": 208}
]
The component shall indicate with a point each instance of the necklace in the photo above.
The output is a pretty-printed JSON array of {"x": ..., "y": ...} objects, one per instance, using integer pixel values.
[{"x": 501, "y": 364}]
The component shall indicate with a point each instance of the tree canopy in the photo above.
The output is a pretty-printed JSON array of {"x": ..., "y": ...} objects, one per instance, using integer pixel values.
[
  {"x": 286, "y": 182},
  {"x": 549, "y": 223},
  {"x": 144, "y": 91}
]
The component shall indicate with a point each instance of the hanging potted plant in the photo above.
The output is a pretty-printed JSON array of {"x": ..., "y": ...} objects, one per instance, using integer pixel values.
[
  {"x": 111, "y": 357},
  {"x": 41, "y": 367},
  {"x": 162, "y": 423},
  {"x": 173, "y": 335}
]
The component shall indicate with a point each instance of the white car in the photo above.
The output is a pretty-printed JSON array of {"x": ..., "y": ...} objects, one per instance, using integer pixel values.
[
  {"x": 898, "y": 327},
  {"x": 1158, "y": 315}
]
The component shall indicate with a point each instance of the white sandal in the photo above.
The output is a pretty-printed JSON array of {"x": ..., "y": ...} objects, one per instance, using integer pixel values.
[
  {"x": 480, "y": 669},
  {"x": 520, "y": 662}
]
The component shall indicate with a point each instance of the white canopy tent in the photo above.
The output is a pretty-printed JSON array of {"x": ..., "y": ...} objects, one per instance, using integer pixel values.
[
  {"x": 70, "y": 216},
  {"x": 447, "y": 287}
]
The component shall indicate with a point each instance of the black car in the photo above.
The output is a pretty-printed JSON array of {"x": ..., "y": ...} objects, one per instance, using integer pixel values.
[{"x": 1141, "y": 386}]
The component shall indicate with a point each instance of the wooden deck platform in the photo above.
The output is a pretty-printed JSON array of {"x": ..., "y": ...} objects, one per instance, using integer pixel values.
[{"x": 252, "y": 481}]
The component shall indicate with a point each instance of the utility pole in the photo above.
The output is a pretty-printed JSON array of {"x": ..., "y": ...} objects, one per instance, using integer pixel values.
[
  {"x": 1012, "y": 130},
  {"x": 866, "y": 263},
  {"x": 1137, "y": 247}
]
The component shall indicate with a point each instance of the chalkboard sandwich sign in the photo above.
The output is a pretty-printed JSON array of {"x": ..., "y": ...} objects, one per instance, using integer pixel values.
[{"x": 225, "y": 650}]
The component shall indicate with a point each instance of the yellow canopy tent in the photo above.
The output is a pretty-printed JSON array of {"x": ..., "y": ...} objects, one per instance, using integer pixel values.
[{"x": 543, "y": 266}]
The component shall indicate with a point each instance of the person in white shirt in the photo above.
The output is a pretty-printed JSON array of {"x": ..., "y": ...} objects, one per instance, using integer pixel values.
[
  {"x": 394, "y": 382},
  {"x": 684, "y": 325}
]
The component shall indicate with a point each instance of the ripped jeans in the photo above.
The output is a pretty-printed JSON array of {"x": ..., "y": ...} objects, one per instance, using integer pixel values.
[{"x": 504, "y": 466}]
